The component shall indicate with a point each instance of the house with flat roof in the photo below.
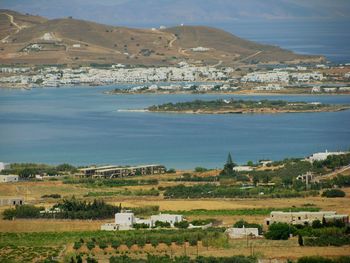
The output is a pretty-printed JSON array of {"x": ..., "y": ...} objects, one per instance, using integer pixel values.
[
  {"x": 242, "y": 232},
  {"x": 126, "y": 219},
  {"x": 9, "y": 178},
  {"x": 304, "y": 218},
  {"x": 8, "y": 201},
  {"x": 112, "y": 171}
]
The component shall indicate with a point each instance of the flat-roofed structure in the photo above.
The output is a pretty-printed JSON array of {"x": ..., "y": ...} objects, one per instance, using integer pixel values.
[
  {"x": 6, "y": 201},
  {"x": 10, "y": 178},
  {"x": 119, "y": 171},
  {"x": 304, "y": 218},
  {"x": 242, "y": 232}
]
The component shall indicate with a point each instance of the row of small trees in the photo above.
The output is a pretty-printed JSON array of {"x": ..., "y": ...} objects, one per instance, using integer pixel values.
[
  {"x": 154, "y": 238},
  {"x": 66, "y": 209}
]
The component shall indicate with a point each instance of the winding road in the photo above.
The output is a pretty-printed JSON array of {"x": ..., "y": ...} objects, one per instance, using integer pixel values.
[{"x": 12, "y": 21}]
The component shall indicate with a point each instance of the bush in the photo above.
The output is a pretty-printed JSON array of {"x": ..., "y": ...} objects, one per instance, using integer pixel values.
[
  {"x": 317, "y": 224},
  {"x": 90, "y": 245},
  {"x": 116, "y": 243},
  {"x": 182, "y": 224},
  {"x": 77, "y": 245},
  {"x": 140, "y": 226},
  {"x": 23, "y": 211},
  {"x": 331, "y": 193},
  {"x": 162, "y": 224},
  {"x": 200, "y": 169},
  {"x": 51, "y": 196},
  {"x": 103, "y": 245},
  {"x": 314, "y": 259},
  {"x": 327, "y": 240},
  {"x": 279, "y": 231}
]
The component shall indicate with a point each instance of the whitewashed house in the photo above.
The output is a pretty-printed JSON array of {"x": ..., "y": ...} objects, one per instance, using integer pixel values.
[
  {"x": 10, "y": 178},
  {"x": 126, "y": 220},
  {"x": 321, "y": 156},
  {"x": 166, "y": 218}
]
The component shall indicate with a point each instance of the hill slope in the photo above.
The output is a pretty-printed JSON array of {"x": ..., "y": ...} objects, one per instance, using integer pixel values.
[{"x": 36, "y": 40}]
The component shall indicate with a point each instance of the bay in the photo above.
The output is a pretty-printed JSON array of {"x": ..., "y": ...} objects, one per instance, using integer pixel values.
[{"x": 82, "y": 125}]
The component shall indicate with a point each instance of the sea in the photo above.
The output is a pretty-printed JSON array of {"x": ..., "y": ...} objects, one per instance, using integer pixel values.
[
  {"x": 330, "y": 38},
  {"x": 83, "y": 125}
]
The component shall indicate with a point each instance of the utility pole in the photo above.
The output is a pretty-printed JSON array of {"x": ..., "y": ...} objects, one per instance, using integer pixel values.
[{"x": 197, "y": 246}]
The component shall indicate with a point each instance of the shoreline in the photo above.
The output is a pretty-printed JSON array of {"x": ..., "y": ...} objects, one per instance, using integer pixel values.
[
  {"x": 112, "y": 92},
  {"x": 244, "y": 111}
]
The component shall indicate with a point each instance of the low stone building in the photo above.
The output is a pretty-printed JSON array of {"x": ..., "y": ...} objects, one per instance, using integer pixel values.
[
  {"x": 304, "y": 218},
  {"x": 6, "y": 201},
  {"x": 8, "y": 178},
  {"x": 242, "y": 232}
]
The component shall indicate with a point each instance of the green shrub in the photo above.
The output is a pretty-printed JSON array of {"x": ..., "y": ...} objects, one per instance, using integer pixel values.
[
  {"x": 162, "y": 224},
  {"x": 331, "y": 193},
  {"x": 103, "y": 245},
  {"x": 279, "y": 231},
  {"x": 77, "y": 245},
  {"x": 317, "y": 224},
  {"x": 116, "y": 243},
  {"x": 90, "y": 245},
  {"x": 182, "y": 224},
  {"x": 23, "y": 211}
]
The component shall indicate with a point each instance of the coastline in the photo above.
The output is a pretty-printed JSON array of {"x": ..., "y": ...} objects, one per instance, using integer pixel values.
[{"x": 217, "y": 112}]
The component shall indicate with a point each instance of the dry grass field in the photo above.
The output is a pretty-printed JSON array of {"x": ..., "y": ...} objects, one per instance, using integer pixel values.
[{"x": 32, "y": 192}]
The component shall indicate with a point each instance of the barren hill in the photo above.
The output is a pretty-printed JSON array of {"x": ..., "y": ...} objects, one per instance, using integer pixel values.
[{"x": 35, "y": 40}]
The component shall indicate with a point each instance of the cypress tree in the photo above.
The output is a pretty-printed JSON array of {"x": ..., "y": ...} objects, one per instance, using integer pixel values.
[
  {"x": 300, "y": 240},
  {"x": 228, "y": 167}
]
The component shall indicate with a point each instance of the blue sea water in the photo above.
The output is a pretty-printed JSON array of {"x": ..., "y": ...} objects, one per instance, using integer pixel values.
[
  {"x": 330, "y": 38},
  {"x": 81, "y": 125}
]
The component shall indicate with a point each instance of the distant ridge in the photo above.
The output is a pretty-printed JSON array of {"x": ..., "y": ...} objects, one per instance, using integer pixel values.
[{"x": 27, "y": 39}]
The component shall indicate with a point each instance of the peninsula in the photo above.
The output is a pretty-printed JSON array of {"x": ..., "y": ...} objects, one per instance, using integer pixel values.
[{"x": 245, "y": 106}]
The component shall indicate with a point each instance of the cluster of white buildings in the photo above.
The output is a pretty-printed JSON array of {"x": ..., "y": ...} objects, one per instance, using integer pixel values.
[
  {"x": 53, "y": 76},
  {"x": 177, "y": 87},
  {"x": 271, "y": 76},
  {"x": 321, "y": 156},
  {"x": 282, "y": 77},
  {"x": 126, "y": 220},
  {"x": 318, "y": 89},
  {"x": 270, "y": 87}
]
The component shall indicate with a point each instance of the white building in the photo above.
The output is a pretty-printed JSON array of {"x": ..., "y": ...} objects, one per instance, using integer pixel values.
[
  {"x": 242, "y": 168},
  {"x": 242, "y": 232},
  {"x": 321, "y": 156},
  {"x": 3, "y": 166},
  {"x": 11, "y": 178},
  {"x": 166, "y": 218},
  {"x": 126, "y": 220},
  {"x": 123, "y": 221}
]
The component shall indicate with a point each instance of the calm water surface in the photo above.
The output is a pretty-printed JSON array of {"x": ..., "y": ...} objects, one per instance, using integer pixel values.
[{"x": 82, "y": 125}]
